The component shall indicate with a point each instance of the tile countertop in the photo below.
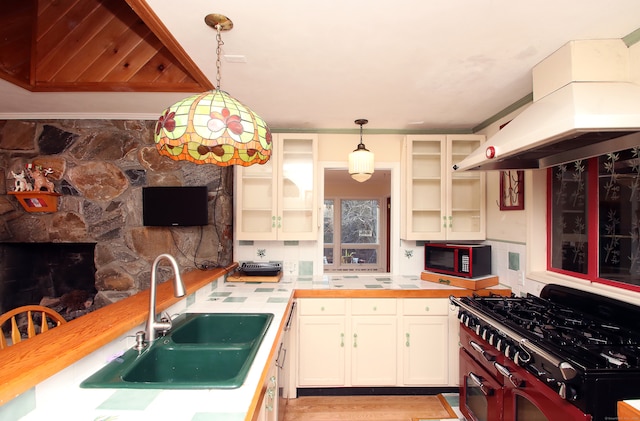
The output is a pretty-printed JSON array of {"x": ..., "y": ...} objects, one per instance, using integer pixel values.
[{"x": 60, "y": 397}]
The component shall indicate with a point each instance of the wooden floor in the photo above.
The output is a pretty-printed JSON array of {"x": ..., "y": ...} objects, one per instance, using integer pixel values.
[{"x": 369, "y": 408}]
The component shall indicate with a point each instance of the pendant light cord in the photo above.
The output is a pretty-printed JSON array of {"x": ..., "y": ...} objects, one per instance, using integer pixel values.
[{"x": 218, "y": 52}]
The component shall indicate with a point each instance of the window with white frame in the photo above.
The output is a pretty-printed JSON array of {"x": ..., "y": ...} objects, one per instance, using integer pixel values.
[{"x": 352, "y": 237}]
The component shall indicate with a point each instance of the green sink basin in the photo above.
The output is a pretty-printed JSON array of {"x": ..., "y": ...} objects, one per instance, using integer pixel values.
[
  {"x": 191, "y": 356},
  {"x": 221, "y": 328},
  {"x": 190, "y": 367}
]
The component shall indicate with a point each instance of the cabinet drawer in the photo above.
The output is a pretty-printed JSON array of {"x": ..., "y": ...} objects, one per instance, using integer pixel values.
[
  {"x": 322, "y": 306},
  {"x": 373, "y": 306},
  {"x": 425, "y": 306}
]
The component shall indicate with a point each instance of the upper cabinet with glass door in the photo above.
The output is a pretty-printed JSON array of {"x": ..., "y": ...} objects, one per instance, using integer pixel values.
[
  {"x": 276, "y": 201},
  {"x": 438, "y": 203}
]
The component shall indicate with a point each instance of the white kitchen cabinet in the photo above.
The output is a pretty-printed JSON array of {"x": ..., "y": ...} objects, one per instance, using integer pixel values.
[
  {"x": 322, "y": 342},
  {"x": 377, "y": 342},
  {"x": 269, "y": 405},
  {"x": 277, "y": 200},
  {"x": 374, "y": 332},
  {"x": 440, "y": 204},
  {"x": 425, "y": 336}
]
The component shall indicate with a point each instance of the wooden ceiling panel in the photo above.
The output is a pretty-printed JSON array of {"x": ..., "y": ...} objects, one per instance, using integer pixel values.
[
  {"x": 93, "y": 45},
  {"x": 16, "y": 30},
  {"x": 161, "y": 70}
]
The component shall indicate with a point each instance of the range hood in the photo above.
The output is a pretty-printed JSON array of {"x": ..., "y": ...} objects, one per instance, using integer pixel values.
[{"x": 584, "y": 106}]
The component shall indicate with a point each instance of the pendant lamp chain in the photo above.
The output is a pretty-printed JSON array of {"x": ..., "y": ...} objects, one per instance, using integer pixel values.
[{"x": 218, "y": 52}]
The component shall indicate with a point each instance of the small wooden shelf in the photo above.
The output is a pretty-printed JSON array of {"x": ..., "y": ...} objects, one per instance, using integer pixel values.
[{"x": 34, "y": 201}]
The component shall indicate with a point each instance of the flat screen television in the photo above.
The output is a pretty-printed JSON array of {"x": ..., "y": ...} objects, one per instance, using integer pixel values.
[{"x": 174, "y": 206}]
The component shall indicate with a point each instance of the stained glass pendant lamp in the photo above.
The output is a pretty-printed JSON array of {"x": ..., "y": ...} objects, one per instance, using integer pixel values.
[
  {"x": 213, "y": 127},
  {"x": 361, "y": 159}
]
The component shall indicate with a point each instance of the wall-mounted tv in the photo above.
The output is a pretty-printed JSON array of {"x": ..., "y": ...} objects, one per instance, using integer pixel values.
[{"x": 174, "y": 206}]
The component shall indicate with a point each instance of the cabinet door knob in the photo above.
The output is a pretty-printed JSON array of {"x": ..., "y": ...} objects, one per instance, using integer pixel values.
[
  {"x": 355, "y": 340},
  {"x": 426, "y": 308},
  {"x": 444, "y": 222},
  {"x": 322, "y": 308},
  {"x": 342, "y": 340},
  {"x": 375, "y": 308},
  {"x": 408, "y": 342}
]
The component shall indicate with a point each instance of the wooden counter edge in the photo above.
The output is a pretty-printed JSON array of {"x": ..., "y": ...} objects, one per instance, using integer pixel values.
[
  {"x": 398, "y": 293},
  {"x": 627, "y": 412},
  {"x": 254, "y": 409},
  {"x": 28, "y": 363}
]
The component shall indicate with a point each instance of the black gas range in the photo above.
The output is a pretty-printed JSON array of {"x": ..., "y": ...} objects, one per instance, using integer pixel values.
[{"x": 582, "y": 347}]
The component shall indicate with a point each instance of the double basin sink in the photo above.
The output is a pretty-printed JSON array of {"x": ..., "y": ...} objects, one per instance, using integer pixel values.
[{"x": 202, "y": 351}]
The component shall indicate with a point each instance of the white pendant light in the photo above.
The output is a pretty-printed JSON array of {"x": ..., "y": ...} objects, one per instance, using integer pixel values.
[{"x": 361, "y": 159}]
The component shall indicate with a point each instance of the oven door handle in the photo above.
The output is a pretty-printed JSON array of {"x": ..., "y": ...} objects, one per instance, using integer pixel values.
[
  {"x": 506, "y": 373},
  {"x": 487, "y": 391},
  {"x": 480, "y": 350}
]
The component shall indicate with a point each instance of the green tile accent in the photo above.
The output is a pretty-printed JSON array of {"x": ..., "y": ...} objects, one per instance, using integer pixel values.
[
  {"x": 373, "y": 286},
  {"x": 305, "y": 268},
  {"x": 292, "y": 243},
  {"x": 304, "y": 279},
  {"x": 350, "y": 276},
  {"x": 245, "y": 243},
  {"x": 234, "y": 300},
  {"x": 383, "y": 279},
  {"x": 19, "y": 407},
  {"x": 408, "y": 286},
  {"x": 130, "y": 399},
  {"x": 218, "y": 416},
  {"x": 514, "y": 261},
  {"x": 220, "y": 294},
  {"x": 265, "y": 289},
  {"x": 191, "y": 298},
  {"x": 277, "y": 299}
]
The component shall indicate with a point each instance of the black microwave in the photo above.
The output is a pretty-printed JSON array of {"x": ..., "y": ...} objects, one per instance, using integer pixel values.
[{"x": 468, "y": 261}]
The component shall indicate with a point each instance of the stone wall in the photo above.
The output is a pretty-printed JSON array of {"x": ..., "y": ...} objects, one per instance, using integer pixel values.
[{"x": 100, "y": 167}]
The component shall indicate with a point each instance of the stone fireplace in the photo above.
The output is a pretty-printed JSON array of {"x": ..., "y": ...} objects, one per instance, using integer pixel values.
[
  {"x": 99, "y": 168},
  {"x": 58, "y": 275}
]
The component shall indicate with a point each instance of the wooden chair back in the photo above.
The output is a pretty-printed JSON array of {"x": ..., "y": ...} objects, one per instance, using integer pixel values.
[{"x": 30, "y": 311}]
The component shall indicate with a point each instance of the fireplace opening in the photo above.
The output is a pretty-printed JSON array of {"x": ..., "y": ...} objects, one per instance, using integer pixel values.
[{"x": 56, "y": 275}]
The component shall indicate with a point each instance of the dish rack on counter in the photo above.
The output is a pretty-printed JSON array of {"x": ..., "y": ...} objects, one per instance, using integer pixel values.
[{"x": 261, "y": 268}]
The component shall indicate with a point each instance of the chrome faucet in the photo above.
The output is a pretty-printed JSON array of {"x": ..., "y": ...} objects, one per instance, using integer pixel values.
[{"x": 154, "y": 325}]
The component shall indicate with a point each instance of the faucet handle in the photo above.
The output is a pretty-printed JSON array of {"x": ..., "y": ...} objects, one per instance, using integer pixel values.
[{"x": 165, "y": 322}]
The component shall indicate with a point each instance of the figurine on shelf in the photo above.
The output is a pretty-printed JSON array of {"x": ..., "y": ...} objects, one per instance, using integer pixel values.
[
  {"x": 21, "y": 183},
  {"x": 40, "y": 180}
]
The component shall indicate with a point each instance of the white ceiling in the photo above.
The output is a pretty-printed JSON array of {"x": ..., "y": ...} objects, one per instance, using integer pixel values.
[{"x": 404, "y": 65}]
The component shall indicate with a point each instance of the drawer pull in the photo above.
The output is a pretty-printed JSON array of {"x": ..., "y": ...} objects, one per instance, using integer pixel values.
[{"x": 342, "y": 340}]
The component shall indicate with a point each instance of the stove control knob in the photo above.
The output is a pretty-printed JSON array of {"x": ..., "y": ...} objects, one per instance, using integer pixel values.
[
  {"x": 567, "y": 370},
  {"x": 499, "y": 344},
  {"x": 567, "y": 392},
  {"x": 485, "y": 333}
]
